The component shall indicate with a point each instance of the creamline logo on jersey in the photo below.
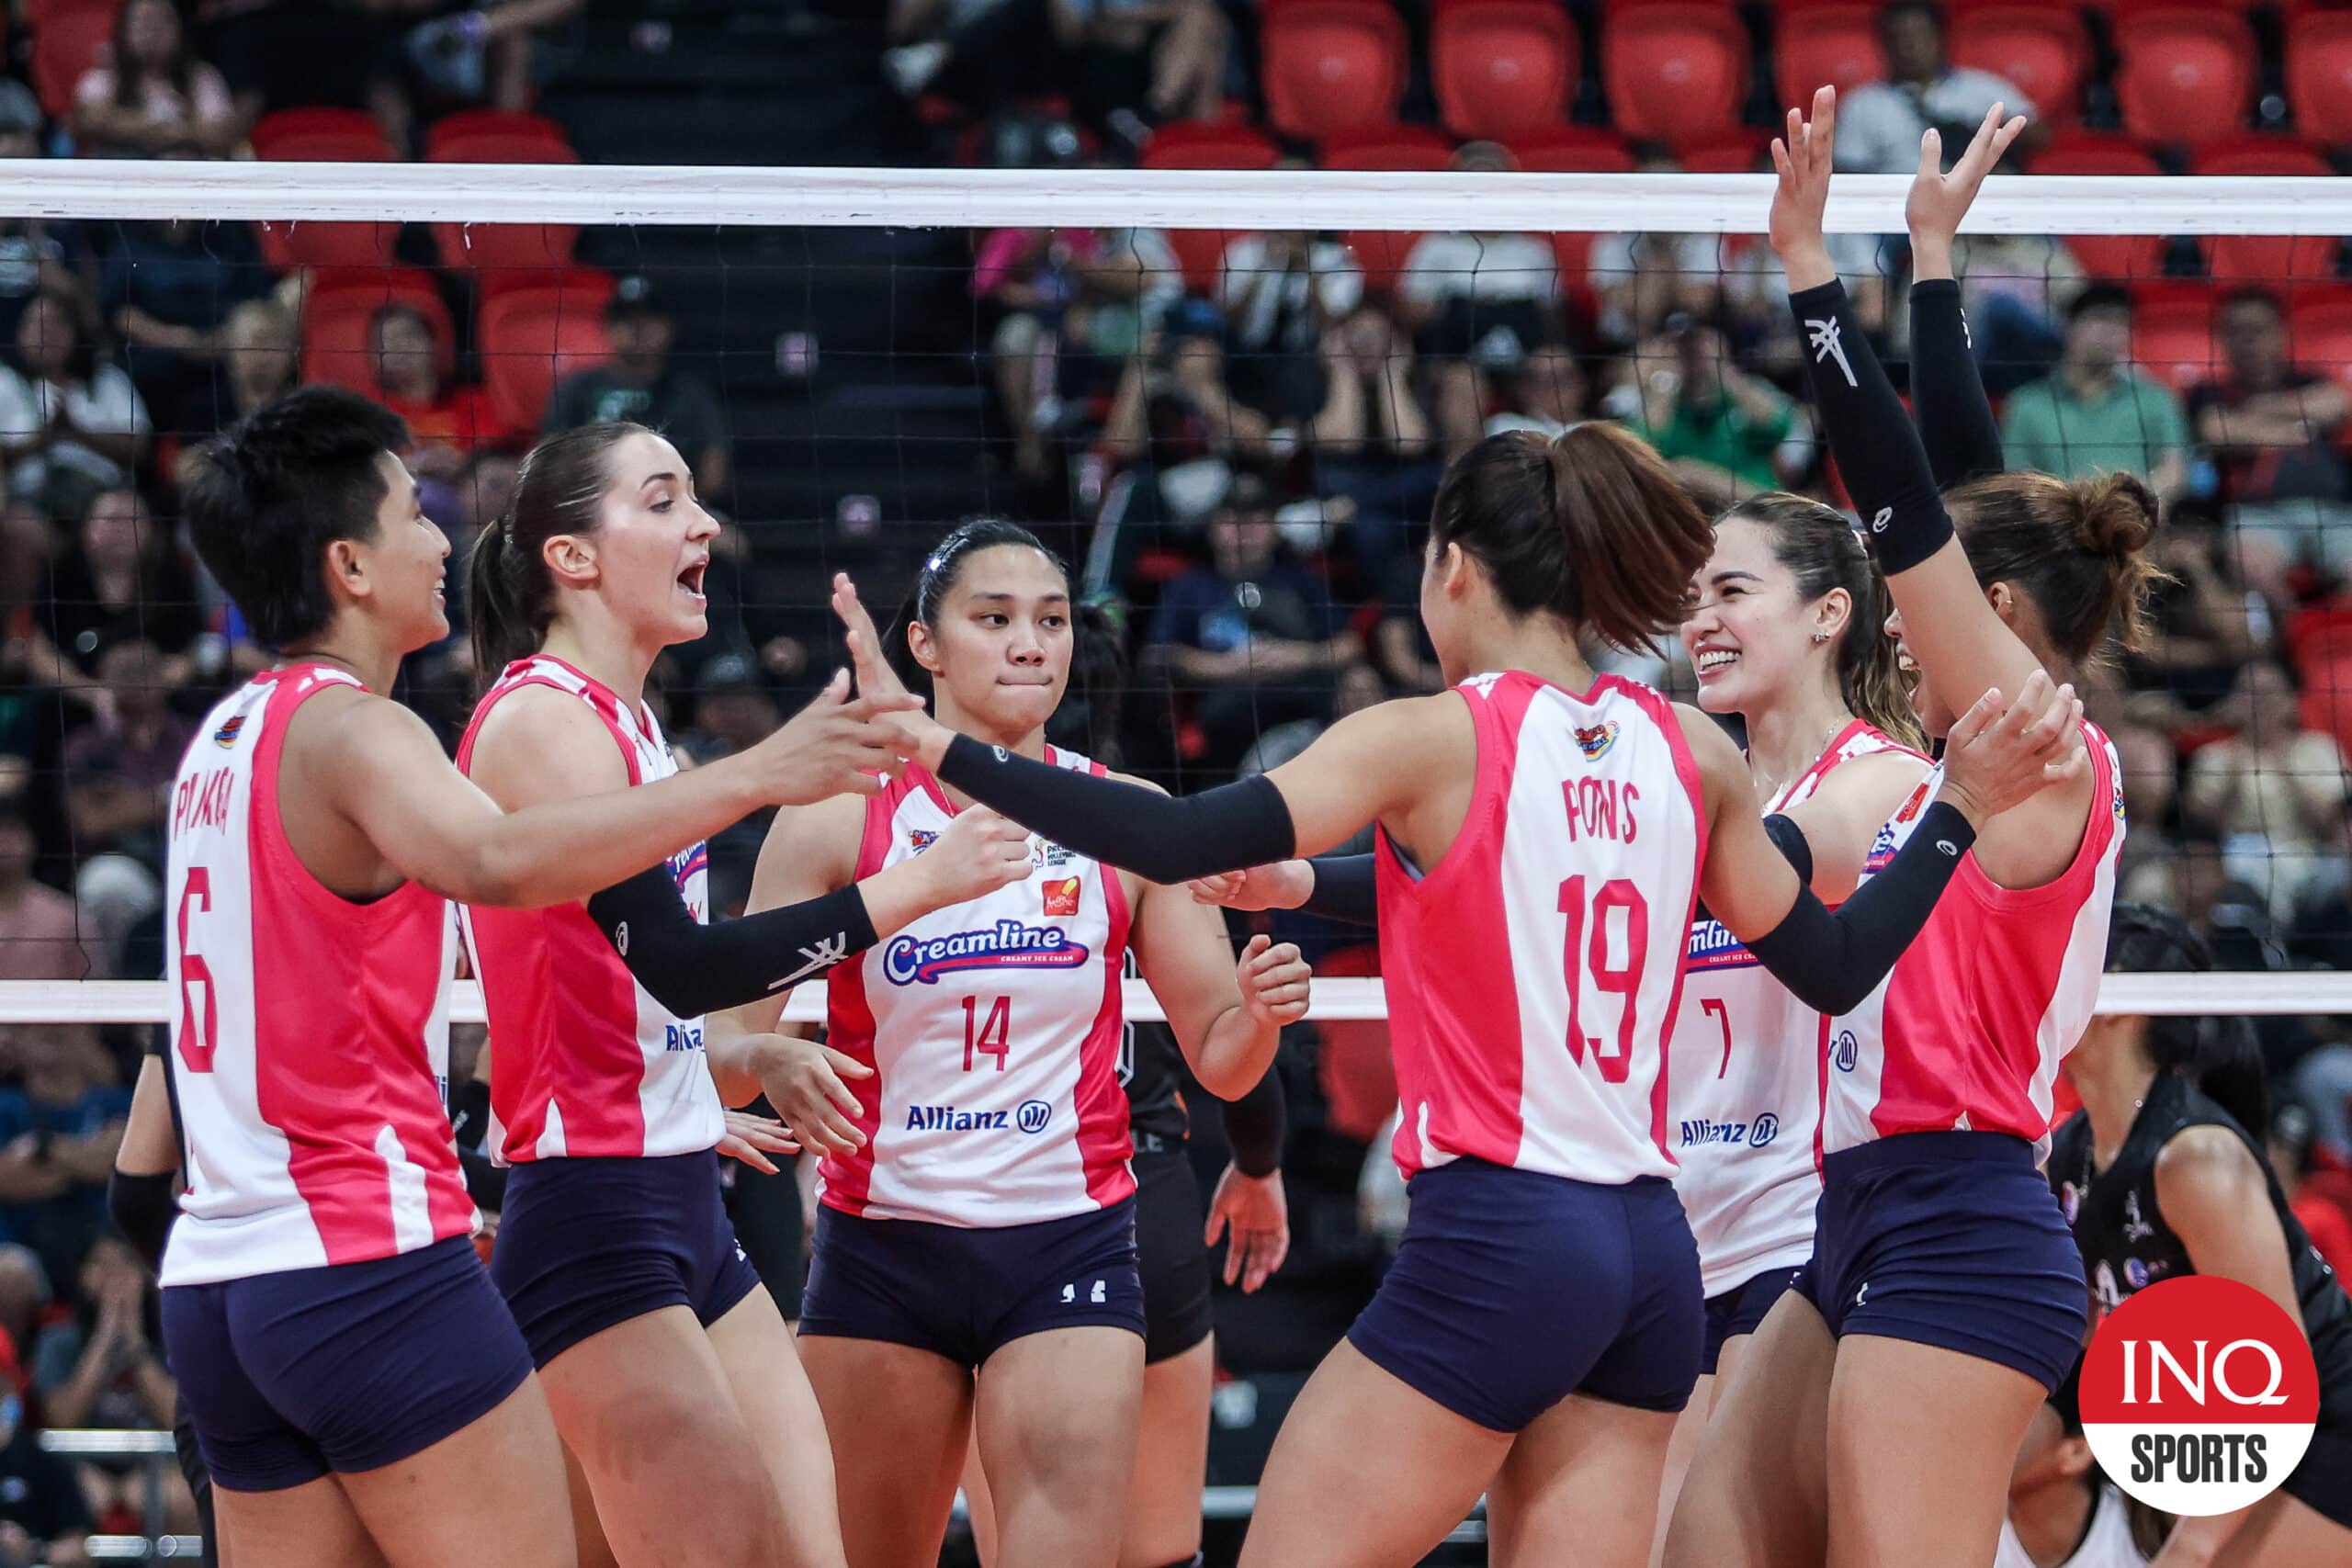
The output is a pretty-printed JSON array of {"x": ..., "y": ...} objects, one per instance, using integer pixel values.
[{"x": 1008, "y": 944}]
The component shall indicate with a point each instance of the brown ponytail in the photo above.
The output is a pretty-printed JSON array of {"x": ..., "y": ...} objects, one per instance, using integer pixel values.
[
  {"x": 2076, "y": 545},
  {"x": 1822, "y": 550},
  {"x": 510, "y": 596},
  {"x": 1592, "y": 527}
]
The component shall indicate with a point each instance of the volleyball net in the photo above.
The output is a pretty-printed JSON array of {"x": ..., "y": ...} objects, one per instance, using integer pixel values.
[{"x": 1224, "y": 397}]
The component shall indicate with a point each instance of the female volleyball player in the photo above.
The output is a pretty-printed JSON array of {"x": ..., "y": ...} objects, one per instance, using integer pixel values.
[
  {"x": 1544, "y": 834},
  {"x": 2161, "y": 1174},
  {"x": 671, "y": 1376},
  {"x": 359, "y": 1392},
  {"x": 975, "y": 1263},
  {"x": 1937, "y": 1088}
]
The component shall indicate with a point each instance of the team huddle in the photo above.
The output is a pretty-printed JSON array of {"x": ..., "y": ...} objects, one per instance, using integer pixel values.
[{"x": 1725, "y": 1078}]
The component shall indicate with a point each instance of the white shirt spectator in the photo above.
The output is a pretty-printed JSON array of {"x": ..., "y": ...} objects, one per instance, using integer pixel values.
[
  {"x": 1256, "y": 290},
  {"x": 106, "y": 403},
  {"x": 1486, "y": 267},
  {"x": 1879, "y": 123},
  {"x": 2108, "y": 1542}
]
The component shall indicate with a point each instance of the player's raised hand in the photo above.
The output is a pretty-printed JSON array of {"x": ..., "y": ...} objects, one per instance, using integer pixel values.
[
  {"x": 980, "y": 852},
  {"x": 924, "y": 738},
  {"x": 1939, "y": 201},
  {"x": 836, "y": 745},
  {"x": 1258, "y": 1213},
  {"x": 1803, "y": 158},
  {"x": 1275, "y": 981},
  {"x": 1284, "y": 885},
  {"x": 2002, "y": 752},
  {"x": 803, "y": 1080},
  {"x": 751, "y": 1139}
]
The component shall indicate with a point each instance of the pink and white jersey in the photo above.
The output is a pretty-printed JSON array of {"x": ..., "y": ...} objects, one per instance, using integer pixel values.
[
  {"x": 1535, "y": 971},
  {"x": 310, "y": 1038},
  {"x": 994, "y": 1030},
  {"x": 585, "y": 1062},
  {"x": 1967, "y": 1032},
  {"x": 1744, "y": 1099}
]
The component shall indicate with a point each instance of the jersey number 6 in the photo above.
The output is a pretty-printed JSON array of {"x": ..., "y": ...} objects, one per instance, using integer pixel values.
[
  {"x": 197, "y": 1034},
  {"x": 1622, "y": 979}
]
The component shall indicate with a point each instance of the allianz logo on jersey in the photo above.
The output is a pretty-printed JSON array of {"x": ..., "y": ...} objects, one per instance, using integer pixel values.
[
  {"x": 1008, "y": 944},
  {"x": 1753, "y": 1134},
  {"x": 1031, "y": 1117}
]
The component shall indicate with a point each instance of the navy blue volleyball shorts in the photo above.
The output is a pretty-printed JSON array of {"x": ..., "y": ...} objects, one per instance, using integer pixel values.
[
  {"x": 340, "y": 1369},
  {"x": 585, "y": 1243},
  {"x": 962, "y": 1291},
  {"x": 1513, "y": 1290},
  {"x": 1952, "y": 1239},
  {"x": 1741, "y": 1309}
]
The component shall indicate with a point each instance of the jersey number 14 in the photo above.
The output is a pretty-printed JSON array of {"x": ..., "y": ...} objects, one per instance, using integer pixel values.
[{"x": 985, "y": 1036}]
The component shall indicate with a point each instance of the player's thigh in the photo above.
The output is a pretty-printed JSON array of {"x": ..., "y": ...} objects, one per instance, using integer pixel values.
[
  {"x": 1685, "y": 1443},
  {"x": 980, "y": 1503},
  {"x": 899, "y": 1419},
  {"x": 493, "y": 1490},
  {"x": 1757, "y": 1492},
  {"x": 309, "y": 1526},
  {"x": 646, "y": 1406},
  {"x": 2287, "y": 1532},
  {"x": 1922, "y": 1443},
  {"x": 1171, "y": 1459},
  {"x": 1563, "y": 1492},
  {"x": 762, "y": 1365},
  {"x": 587, "y": 1529},
  {"x": 1367, "y": 1472},
  {"x": 1056, "y": 1413}
]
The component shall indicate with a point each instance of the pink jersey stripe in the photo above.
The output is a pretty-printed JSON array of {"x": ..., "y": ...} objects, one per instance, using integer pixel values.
[
  {"x": 1686, "y": 769},
  {"x": 1105, "y": 1139}
]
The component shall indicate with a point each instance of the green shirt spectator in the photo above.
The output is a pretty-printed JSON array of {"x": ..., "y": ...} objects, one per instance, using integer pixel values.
[
  {"x": 2097, "y": 412},
  {"x": 1720, "y": 428}
]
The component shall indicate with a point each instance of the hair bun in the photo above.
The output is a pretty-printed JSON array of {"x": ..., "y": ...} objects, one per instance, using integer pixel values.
[{"x": 2119, "y": 515}]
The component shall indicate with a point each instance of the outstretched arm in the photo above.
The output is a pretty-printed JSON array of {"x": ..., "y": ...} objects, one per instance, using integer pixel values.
[{"x": 1955, "y": 417}]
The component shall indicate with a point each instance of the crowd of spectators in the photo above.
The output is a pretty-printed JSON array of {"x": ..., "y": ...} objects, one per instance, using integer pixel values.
[{"x": 1248, "y": 447}]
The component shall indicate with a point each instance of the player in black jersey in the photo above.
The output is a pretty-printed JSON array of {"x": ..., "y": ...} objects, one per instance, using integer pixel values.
[{"x": 2160, "y": 1176}]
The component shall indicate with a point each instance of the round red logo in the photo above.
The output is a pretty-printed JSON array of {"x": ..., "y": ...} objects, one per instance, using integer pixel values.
[{"x": 2199, "y": 1395}]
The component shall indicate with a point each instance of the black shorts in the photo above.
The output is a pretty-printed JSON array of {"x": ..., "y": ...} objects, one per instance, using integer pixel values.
[
  {"x": 1168, "y": 1222},
  {"x": 2323, "y": 1480},
  {"x": 1741, "y": 1309}
]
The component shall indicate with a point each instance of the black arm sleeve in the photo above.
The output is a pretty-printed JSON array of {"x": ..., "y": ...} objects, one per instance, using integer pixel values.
[
  {"x": 1790, "y": 840},
  {"x": 1833, "y": 962},
  {"x": 1253, "y": 1125},
  {"x": 1878, "y": 452},
  {"x": 1346, "y": 888},
  {"x": 1160, "y": 838},
  {"x": 1955, "y": 417},
  {"x": 692, "y": 969},
  {"x": 142, "y": 1209}
]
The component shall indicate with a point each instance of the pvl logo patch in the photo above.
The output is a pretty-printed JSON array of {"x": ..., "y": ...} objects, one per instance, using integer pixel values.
[{"x": 2199, "y": 1395}]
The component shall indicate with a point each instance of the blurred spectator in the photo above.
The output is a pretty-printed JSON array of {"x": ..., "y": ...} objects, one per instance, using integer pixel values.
[
  {"x": 983, "y": 53},
  {"x": 69, "y": 425},
  {"x": 25, "y": 1298},
  {"x": 154, "y": 98},
  {"x": 1879, "y": 123},
  {"x": 284, "y": 53},
  {"x": 40, "y": 936},
  {"x": 2096, "y": 411},
  {"x": 1726, "y": 434},
  {"x": 2323, "y": 1216},
  {"x": 1282, "y": 293},
  {"x": 169, "y": 289},
  {"x": 446, "y": 425},
  {"x": 2273, "y": 429},
  {"x": 639, "y": 383},
  {"x": 2017, "y": 289},
  {"x": 1639, "y": 280},
  {"x": 261, "y": 352},
  {"x": 2274, "y": 790},
  {"x": 1076, "y": 305},
  {"x": 102, "y": 1368},
  {"x": 124, "y": 578},
  {"x": 1255, "y": 639},
  {"x": 1477, "y": 303},
  {"x": 118, "y": 774},
  {"x": 733, "y": 710},
  {"x": 2151, "y": 771},
  {"x": 1549, "y": 393},
  {"x": 2203, "y": 638},
  {"x": 1270, "y": 436},
  {"x": 36, "y": 254},
  {"x": 2206, "y": 890},
  {"x": 59, "y": 1130},
  {"x": 43, "y": 1516},
  {"x": 1161, "y": 59},
  {"x": 491, "y": 54}
]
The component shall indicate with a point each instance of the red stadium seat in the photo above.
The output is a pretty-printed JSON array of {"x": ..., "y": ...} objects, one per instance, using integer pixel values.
[
  {"x": 2321, "y": 324},
  {"x": 1573, "y": 149},
  {"x": 488, "y": 136},
  {"x": 2265, "y": 258},
  {"x": 338, "y": 309},
  {"x": 1736, "y": 151},
  {"x": 287, "y": 246},
  {"x": 2121, "y": 256},
  {"x": 2043, "y": 49},
  {"x": 2319, "y": 73},
  {"x": 2171, "y": 332},
  {"x": 1408, "y": 147},
  {"x": 2186, "y": 74},
  {"x": 450, "y": 138},
  {"x": 67, "y": 41},
  {"x": 1203, "y": 146},
  {"x": 321, "y": 136},
  {"x": 1676, "y": 72},
  {"x": 532, "y": 338},
  {"x": 1502, "y": 67},
  {"x": 1831, "y": 42},
  {"x": 1331, "y": 65}
]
